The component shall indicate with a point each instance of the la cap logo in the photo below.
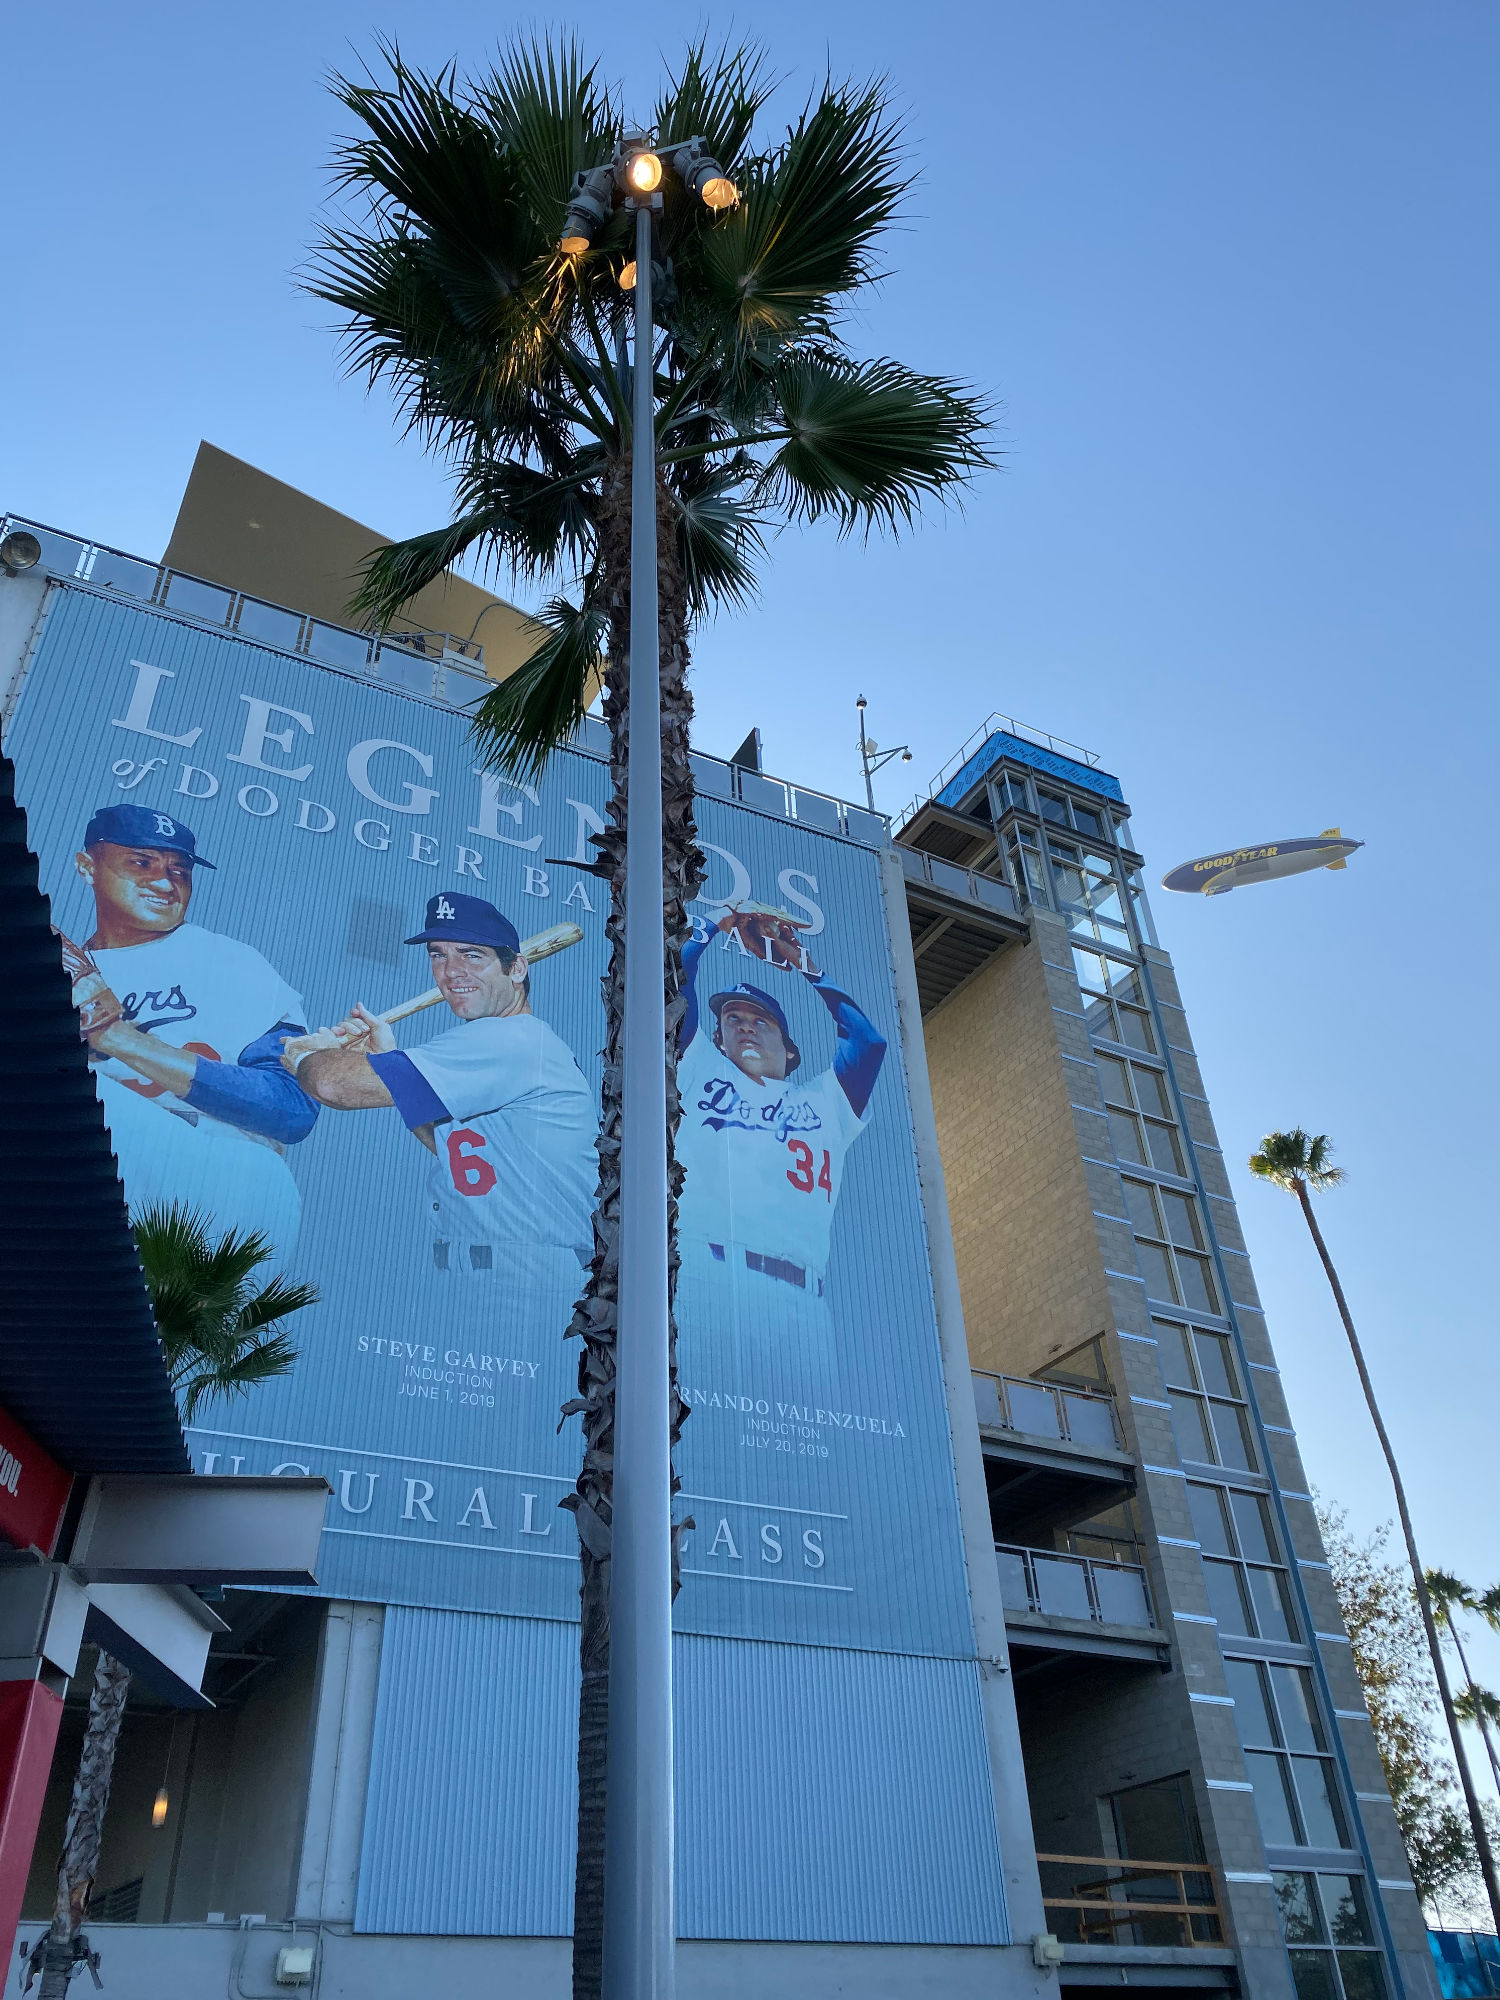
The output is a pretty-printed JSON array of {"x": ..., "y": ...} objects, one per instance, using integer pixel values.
[{"x": 443, "y": 910}]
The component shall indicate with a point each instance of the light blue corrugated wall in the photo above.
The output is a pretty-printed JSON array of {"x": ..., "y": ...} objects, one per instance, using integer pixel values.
[{"x": 823, "y": 1795}]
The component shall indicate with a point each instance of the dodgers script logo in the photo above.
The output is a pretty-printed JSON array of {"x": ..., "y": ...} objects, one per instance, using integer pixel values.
[
  {"x": 727, "y": 1108},
  {"x": 164, "y": 1009}
]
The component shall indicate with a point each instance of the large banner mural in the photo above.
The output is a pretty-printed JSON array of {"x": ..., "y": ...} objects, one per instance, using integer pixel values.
[{"x": 343, "y": 989}]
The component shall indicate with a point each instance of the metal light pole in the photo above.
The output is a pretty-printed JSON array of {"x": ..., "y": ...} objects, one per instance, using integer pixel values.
[
  {"x": 639, "y": 1931},
  {"x": 639, "y": 1915},
  {"x": 872, "y": 758}
]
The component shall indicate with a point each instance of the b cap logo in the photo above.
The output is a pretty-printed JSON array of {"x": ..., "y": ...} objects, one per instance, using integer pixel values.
[
  {"x": 442, "y": 910},
  {"x": 166, "y": 826}
]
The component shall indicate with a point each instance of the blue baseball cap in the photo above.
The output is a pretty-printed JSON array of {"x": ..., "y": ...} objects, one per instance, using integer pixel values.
[
  {"x": 143, "y": 826},
  {"x": 453, "y": 918},
  {"x": 766, "y": 1005}
]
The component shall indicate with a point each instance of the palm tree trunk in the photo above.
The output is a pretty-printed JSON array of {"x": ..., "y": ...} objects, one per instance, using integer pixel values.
[
  {"x": 79, "y": 1862},
  {"x": 1419, "y": 1575},
  {"x": 595, "y": 1318},
  {"x": 1479, "y": 1715}
]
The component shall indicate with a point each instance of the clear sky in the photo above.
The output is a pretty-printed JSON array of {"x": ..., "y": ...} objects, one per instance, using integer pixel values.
[{"x": 1231, "y": 272}]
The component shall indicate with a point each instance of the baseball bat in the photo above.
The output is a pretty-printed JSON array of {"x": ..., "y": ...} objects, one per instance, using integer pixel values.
[{"x": 543, "y": 945}]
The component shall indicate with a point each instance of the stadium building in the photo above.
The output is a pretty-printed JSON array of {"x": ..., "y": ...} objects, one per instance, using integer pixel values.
[{"x": 1046, "y": 1684}]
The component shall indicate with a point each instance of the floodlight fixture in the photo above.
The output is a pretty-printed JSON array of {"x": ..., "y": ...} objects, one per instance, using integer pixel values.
[
  {"x": 639, "y": 169},
  {"x": 627, "y": 276},
  {"x": 589, "y": 208},
  {"x": 703, "y": 177},
  {"x": 19, "y": 551}
]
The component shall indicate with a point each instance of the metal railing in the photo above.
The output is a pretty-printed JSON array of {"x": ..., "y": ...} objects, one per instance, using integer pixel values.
[
  {"x": 984, "y": 890},
  {"x": 434, "y": 666},
  {"x": 1090, "y": 1899},
  {"x": 1053, "y": 1585},
  {"x": 1046, "y": 1409},
  {"x": 1058, "y": 745}
]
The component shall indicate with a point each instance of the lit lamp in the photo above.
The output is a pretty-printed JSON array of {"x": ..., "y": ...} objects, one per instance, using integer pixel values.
[
  {"x": 589, "y": 208},
  {"x": 701, "y": 174},
  {"x": 159, "y": 1807}
]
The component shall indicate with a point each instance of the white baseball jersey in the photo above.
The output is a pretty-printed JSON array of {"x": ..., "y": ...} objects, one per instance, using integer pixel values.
[
  {"x": 515, "y": 1160},
  {"x": 212, "y": 996},
  {"x": 764, "y": 1160}
]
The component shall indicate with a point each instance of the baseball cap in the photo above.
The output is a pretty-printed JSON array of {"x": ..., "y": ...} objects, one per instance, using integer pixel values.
[
  {"x": 142, "y": 826},
  {"x": 453, "y": 918},
  {"x": 766, "y": 1005}
]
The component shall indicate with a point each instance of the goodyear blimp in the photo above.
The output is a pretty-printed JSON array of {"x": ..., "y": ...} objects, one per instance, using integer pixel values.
[{"x": 1217, "y": 874}]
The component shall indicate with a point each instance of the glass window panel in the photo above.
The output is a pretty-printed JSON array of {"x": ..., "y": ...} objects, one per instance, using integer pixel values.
[
  {"x": 1363, "y": 1975},
  {"x": 1297, "y": 1906},
  {"x": 1140, "y": 1206},
  {"x": 987, "y": 1399},
  {"x": 1151, "y": 1090},
  {"x": 1090, "y": 970},
  {"x": 202, "y": 600},
  {"x": 1231, "y": 1428},
  {"x": 1273, "y": 1613},
  {"x": 1052, "y": 807},
  {"x": 1272, "y": 1807},
  {"x": 1348, "y": 1913},
  {"x": 1061, "y": 1587},
  {"x": 1300, "y": 1729},
  {"x": 1175, "y": 1353},
  {"x": 1069, "y": 882},
  {"x": 1125, "y": 1130},
  {"x": 1104, "y": 899},
  {"x": 1114, "y": 1077},
  {"x": 270, "y": 622},
  {"x": 1090, "y": 1421},
  {"x": 1033, "y": 1408},
  {"x": 1125, "y": 982},
  {"x": 1312, "y": 1975},
  {"x": 1135, "y": 1031},
  {"x": 1198, "y": 1289},
  {"x": 1190, "y": 1428},
  {"x": 1215, "y": 1364},
  {"x": 1157, "y": 1272},
  {"x": 946, "y": 876},
  {"x": 1122, "y": 1596},
  {"x": 1206, "y": 1504},
  {"x": 1252, "y": 1523},
  {"x": 1166, "y": 1152},
  {"x": 1013, "y": 1592},
  {"x": 1226, "y": 1598},
  {"x": 1322, "y": 1822},
  {"x": 1099, "y": 1018},
  {"x": 1252, "y": 1714},
  {"x": 1183, "y": 1225},
  {"x": 337, "y": 647},
  {"x": 1086, "y": 820}
]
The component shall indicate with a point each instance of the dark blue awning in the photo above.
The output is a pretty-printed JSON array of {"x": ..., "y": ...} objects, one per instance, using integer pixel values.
[{"x": 80, "y": 1362}]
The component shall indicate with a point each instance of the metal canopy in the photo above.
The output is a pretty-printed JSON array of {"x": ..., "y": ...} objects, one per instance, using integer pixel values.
[{"x": 80, "y": 1362}]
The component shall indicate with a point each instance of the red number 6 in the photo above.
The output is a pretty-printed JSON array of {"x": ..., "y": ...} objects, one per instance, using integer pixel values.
[{"x": 471, "y": 1175}]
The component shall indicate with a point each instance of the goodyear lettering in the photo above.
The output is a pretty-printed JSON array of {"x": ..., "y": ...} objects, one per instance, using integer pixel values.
[{"x": 1239, "y": 854}]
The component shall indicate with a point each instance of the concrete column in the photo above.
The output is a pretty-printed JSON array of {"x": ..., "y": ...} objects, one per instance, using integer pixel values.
[
  {"x": 1023, "y": 1888},
  {"x": 343, "y": 1728}
]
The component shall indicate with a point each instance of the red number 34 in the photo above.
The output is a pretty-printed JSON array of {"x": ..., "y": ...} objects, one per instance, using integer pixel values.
[{"x": 801, "y": 1176}]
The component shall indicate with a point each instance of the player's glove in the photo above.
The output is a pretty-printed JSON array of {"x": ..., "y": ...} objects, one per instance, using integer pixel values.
[
  {"x": 97, "y": 1005},
  {"x": 768, "y": 933}
]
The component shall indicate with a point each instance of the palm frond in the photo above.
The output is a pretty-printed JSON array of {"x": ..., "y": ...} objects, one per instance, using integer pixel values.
[
  {"x": 544, "y": 105},
  {"x": 233, "y": 1373},
  {"x": 1285, "y": 1158},
  {"x": 539, "y": 707},
  {"x": 719, "y": 536},
  {"x": 870, "y": 441},
  {"x": 716, "y": 95},
  {"x": 803, "y": 235}
]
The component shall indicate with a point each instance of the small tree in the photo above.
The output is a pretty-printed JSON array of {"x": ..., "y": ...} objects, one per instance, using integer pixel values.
[
  {"x": 1476, "y": 1705},
  {"x": 1390, "y": 1657},
  {"x": 221, "y": 1334}
]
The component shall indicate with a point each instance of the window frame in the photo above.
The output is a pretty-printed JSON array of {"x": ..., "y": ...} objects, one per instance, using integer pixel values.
[
  {"x": 1109, "y": 1000},
  {"x": 1233, "y": 1562},
  {"x": 1211, "y": 1398},
  {"x": 1290, "y": 1757},
  {"x": 1165, "y": 1244},
  {"x": 1324, "y": 1944},
  {"x": 1144, "y": 1121}
]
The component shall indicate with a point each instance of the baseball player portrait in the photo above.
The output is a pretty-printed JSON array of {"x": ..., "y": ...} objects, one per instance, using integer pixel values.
[
  {"x": 763, "y": 1146},
  {"x": 497, "y": 1100},
  {"x": 185, "y": 1030}
]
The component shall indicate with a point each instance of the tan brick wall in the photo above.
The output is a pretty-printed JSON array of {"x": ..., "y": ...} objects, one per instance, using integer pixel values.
[{"x": 1029, "y": 1263}]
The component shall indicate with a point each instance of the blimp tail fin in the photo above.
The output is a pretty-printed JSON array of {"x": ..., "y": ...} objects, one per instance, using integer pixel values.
[
  {"x": 1332, "y": 833},
  {"x": 1335, "y": 864}
]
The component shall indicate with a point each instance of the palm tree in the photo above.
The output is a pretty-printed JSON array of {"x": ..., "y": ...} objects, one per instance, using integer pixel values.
[
  {"x": 1450, "y": 1595},
  {"x": 221, "y": 1333},
  {"x": 1303, "y": 1166},
  {"x": 510, "y": 358}
]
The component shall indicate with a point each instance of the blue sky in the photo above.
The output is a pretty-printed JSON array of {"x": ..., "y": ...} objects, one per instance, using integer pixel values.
[{"x": 1230, "y": 272}]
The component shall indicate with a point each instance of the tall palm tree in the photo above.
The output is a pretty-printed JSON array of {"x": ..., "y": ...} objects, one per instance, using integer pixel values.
[
  {"x": 1302, "y": 1165},
  {"x": 511, "y": 359},
  {"x": 1451, "y": 1595},
  {"x": 221, "y": 1332}
]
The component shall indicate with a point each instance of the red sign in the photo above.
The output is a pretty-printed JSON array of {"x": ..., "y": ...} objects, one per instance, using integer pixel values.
[{"x": 33, "y": 1489}]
